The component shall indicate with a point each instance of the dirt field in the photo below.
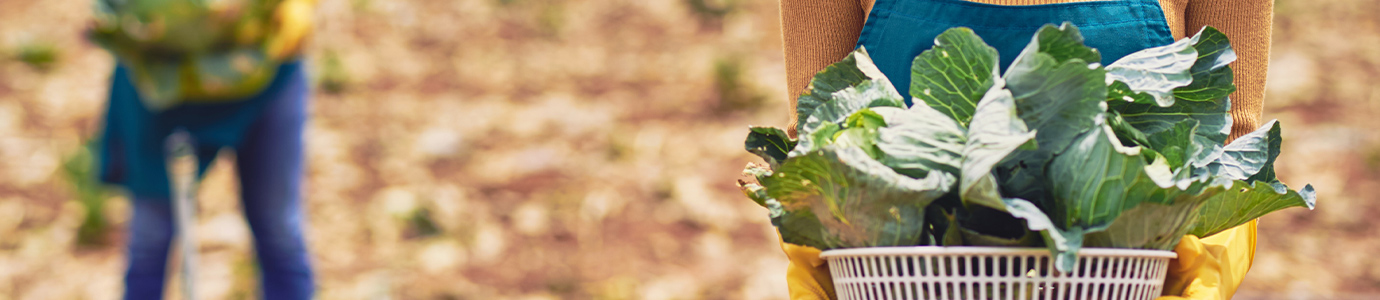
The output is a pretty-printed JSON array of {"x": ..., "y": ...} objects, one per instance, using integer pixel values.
[{"x": 543, "y": 149}]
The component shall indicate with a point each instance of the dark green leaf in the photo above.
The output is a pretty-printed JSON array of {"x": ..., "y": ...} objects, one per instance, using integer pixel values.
[
  {"x": 1212, "y": 78},
  {"x": 982, "y": 190},
  {"x": 1058, "y": 99},
  {"x": 854, "y": 69},
  {"x": 955, "y": 74},
  {"x": 772, "y": 144},
  {"x": 1062, "y": 43},
  {"x": 1248, "y": 155},
  {"x": 755, "y": 192},
  {"x": 815, "y": 138},
  {"x": 1060, "y": 94},
  {"x": 953, "y": 233},
  {"x": 861, "y": 138},
  {"x": 935, "y": 217},
  {"x": 1153, "y": 72},
  {"x": 1267, "y": 173},
  {"x": 800, "y": 227},
  {"x": 858, "y": 201},
  {"x": 1214, "y": 118},
  {"x": 1120, "y": 91},
  {"x": 1205, "y": 99},
  {"x": 833, "y": 117},
  {"x": 995, "y": 132},
  {"x": 1243, "y": 202},
  {"x": 919, "y": 140},
  {"x": 846, "y": 102},
  {"x": 1023, "y": 176},
  {"x": 1207, "y": 151},
  {"x": 1149, "y": 225},
  {"x": 1177, "y": 144},
  {"x": 974, "y": 238},
  {"x": 984, "y": 226},
  {"x": 757, "y": 171},
  {"x": 1129, "y": 135},
  {"x": 865, "y": 118},
  {"x": 1063, "y": 245},
  {"x": 1214, "y": 122},
  {"x": 1097, "y": 179}
]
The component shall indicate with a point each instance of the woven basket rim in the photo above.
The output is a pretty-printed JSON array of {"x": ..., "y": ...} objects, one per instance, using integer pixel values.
[{"x": 978, "y": 250}]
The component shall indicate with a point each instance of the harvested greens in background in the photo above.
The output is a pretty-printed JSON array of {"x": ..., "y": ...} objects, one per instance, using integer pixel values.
[
  {"x": 1059, "y": 151},
  {"x": 189, "y": 49}
]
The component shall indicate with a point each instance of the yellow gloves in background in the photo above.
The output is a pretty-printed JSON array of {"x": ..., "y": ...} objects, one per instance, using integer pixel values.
[
  {"x": 293, "y": 22},
  {"x": 1207, "y": 269}
]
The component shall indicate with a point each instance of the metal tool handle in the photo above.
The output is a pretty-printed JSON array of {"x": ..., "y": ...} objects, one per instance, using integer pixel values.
[{"x": 182, "y": 174}]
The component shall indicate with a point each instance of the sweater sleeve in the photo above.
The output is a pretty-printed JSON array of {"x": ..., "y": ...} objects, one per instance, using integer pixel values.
[
  {"x": 1247, "y": 24},
  {"x": 814, "y": 34}
]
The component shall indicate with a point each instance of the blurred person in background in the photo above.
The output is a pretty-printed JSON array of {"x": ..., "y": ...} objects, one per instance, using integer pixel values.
[
  {"x": 229, "y": 73},
  {"x": 817, "y": 33}
]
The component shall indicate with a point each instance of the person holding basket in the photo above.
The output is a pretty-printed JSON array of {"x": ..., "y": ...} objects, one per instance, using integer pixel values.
[
  {"x": 229, "y": 74},
  {"x": 818, "y": 33}
]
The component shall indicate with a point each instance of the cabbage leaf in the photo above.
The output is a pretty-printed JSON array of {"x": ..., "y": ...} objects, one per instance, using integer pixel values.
[
  {"x": 1057, "y": 152},
  {"x": 955, "y": 74}
]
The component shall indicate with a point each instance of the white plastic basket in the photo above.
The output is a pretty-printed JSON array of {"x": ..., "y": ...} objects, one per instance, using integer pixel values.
[{"x": 972, "y": 273}]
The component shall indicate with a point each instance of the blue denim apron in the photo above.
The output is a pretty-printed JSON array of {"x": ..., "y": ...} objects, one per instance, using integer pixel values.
[
  {"x": 898, "y": 30},
  {"x": 132, "y": 145},
  {"x": 265, "y": 131}
]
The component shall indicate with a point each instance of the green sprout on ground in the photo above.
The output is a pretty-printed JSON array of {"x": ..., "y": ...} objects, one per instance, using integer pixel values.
[
  {"x": 420, "y": 224},
  {"x": 550, "y": 19},
  {"x": 38, "y": 55},
  {"x": 80, "y": 171},
  {"x": 334, "y": 79},
  {"x": 712, "y": 11},
  {"x": 731, "y": 86}
]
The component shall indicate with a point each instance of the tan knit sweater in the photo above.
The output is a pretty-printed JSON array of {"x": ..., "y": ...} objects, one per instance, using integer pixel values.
[{"x": 817, "y": 33}]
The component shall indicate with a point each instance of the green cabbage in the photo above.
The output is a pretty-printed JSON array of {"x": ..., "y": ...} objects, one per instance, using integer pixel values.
[{"x": 1059, "y": 151}]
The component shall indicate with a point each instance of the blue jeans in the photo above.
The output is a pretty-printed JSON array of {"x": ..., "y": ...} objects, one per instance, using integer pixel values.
[{"x": 270, "y": 163}]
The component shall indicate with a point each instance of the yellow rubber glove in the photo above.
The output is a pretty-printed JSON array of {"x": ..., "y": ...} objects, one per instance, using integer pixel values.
[
  {"x": 808, "y": 275},
  {"x": 1211, "y": 268},
  {"x": 292, "y": 22}
]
